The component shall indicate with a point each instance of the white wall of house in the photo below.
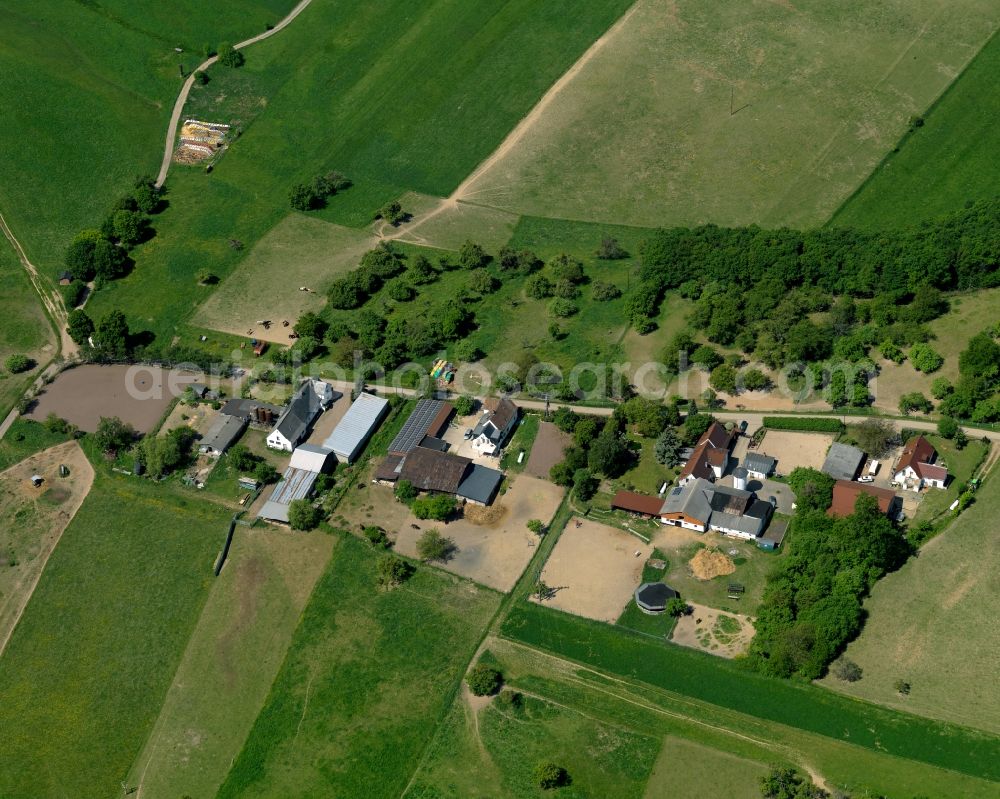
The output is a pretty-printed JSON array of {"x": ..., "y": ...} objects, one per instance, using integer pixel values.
[
  {"x": 733, "y": 533},
  {"x": 277, "y": 441},
  {"x": 698, "y": 528},
  {"x": 482, "y": 445}
]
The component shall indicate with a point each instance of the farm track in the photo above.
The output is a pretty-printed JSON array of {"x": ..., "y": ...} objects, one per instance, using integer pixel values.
[{"x": 175, "y": 117}]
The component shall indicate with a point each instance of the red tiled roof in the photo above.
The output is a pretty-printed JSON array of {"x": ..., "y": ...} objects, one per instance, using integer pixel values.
[
  {"x": 502, "y": 411},
  {"x": 698, "y": 464},
  {"x": 917, "y": 450},
  {"x": 637, "y": 503},
  {"x": 717, "y": 436},
  {"x": 845, "y": 494}
]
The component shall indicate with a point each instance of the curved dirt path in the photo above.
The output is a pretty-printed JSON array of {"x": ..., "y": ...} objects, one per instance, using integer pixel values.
[{"x": 175, "y": 117}]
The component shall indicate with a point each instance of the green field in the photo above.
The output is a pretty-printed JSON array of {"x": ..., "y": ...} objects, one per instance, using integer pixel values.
[
  {"x": 24, "y": 327},
  {"x": 86, "y": 670},
  {"x": 230, "y": 662},
  {"x": 735, "y": 113},
  {"x": 686, "y": 770},
  {"x": 395, "y": 99},
  {"x": 723, "y": 683},
  {"x": 702, "y": 748},
  {"x": 940, "y": 166},
  {"x": 87, "y": 93},
  {"x": 933, "y": 623},
  {"x": 26, "y": 437},
  {"x": 491, "y": 751},
  {"x": 366, "y": 679}
]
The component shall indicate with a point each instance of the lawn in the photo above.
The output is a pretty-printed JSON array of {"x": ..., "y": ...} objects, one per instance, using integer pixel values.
[
  {"x": 491, "y": 751},
  {"x": 632, "y": 617},
  {"x": 87, "y": 668},
  {"x": 725, "y": 684},
  {"x": 26, "y": 437},
  {"x": 936, "y": 168},
  {"x": 962, "y": 465},
  {"x": 394, "y": 98},
  {"x": 735, "y": 113},
  {"x": 933, "y": 623},
  {"x": 222, "y": 480},
  {"x": 366, "y": 680},
  {"x": 24, "y": 327},
  {"x": 522, "y": 440},
  {"x": 231, "y": 660}
]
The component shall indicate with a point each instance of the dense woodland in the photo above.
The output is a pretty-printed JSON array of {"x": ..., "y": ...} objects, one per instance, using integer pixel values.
[{"x": 812, "y": 603}]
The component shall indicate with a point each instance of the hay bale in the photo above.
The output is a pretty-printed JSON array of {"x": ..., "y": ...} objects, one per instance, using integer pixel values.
[
  {"x": 707, "y": 564},
  {"x": 484, "y": 516}
]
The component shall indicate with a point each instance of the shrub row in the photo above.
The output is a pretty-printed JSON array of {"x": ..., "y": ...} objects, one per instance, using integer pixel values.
[{"x": 804, "y": 423}]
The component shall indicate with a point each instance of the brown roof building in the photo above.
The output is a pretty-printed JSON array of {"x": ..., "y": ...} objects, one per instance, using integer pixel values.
[
  {"x": 710, "y": 457},
  {"x": 637, "y": 503},
  {"x": 431, "y": 470},
  {"x": 846, "y": 493},
  {"x": 916, "y": 467}
]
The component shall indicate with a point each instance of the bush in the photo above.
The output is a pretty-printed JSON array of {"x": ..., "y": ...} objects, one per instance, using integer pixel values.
[
  {"x": 19, "y": 363},
  {"x": 536, "y": 526},
  {"x": 846, "y": 670},
  {"x": 510, "y": 701},
  {"x": 391, "y": 571},
  {"x": 72, "y": 294},
  {"x": 914, "y": 401},
  {"x": 433, "y": 546},
  {"x": 405, "y": 491},
  {"x": 677, "y": 607},
  {"x": 302, "y": 197},
  {"x": 723, "y": 378},
  {"x": 376, "y": 537},
  {"x": 484, "y": 680},
  {"x": 584, "y": 484},
  {"x": 548, "y": 776},
  {"x": 755, "y": 380},
  {"x": 610, "y": 250},
  {"x": 438, "y": 507},
  {"x": 804, "y": 423},
  {"x": 562, "y": 307},
  {"x": 464, "y": 405},
  {"x": 925, "y": 359},
  {"x": 302, "y": 515},
  {"x": 230, "y": 57},
  {"x": 603, "y": 292},
  {"x": 947, "y": 427}
]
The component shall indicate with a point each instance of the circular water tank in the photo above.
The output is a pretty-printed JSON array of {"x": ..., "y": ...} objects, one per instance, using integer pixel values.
[{"x": 740, "y": 478}]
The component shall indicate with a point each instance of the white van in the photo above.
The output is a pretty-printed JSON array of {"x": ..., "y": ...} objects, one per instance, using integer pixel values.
[{"x": 873, "y": 468}]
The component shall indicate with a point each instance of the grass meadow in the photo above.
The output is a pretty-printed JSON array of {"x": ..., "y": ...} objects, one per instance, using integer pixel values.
[
  {"x": 577, "y": 717},
  {"x": 24, "y": 327},
  {"x": 87, "y": 668},
  {"x": 933, "y": 624},
  {"x": 230, "y": 662},
  {"x": 491, "y": 750},
  {"x": 719, "y": 682},
  {"x": 936, "y": 168},
  {"x": 367, "y": 678},
  {"x": 397, "y": 100},
  {"x": 735, "y": 113},
  {"x": 26, "y": 437}
]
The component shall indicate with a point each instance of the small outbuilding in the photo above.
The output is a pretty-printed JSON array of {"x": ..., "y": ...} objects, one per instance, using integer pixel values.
[
  {"x": 652, "y": 598},
  {"x": 843, "y": 462},
  {"x": 37, "y": 480},
  {"x": 221, "y": 435},
  {"x": 758, "y": 465}
]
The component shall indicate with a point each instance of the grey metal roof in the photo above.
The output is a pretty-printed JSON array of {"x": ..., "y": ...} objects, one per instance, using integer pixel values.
[
  {"x": 776, "y": 531},
  {"x": 360, "y": 421},
  {"x": 480, "y": 483},
  {"x": 222, "y": 433},
  {"x": 758, "y": 462},
  {"x": 843, "y": 461},
  {"x": 751, "y": 525},
  {"x": 693, "y": 499},
  {"x": 244, "y": 407},
  {"x": 417, "y": 425},
  {"x": 294, "y": 484}
]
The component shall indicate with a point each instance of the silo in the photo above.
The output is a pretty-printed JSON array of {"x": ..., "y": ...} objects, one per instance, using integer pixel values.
[{"x": 740, "y": 478}]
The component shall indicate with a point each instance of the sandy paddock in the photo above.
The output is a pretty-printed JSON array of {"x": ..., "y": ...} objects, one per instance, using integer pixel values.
[
  {"x": 547, "y": 450},
  {"x": 594, "y": 569},
  {"x": 495, "y": 554},
  {"x": 793, "y": 449},
  {"x": 138, "y": 395},
  {"x": 30, "y": 543},
  {"x": 702, "y": 630}
]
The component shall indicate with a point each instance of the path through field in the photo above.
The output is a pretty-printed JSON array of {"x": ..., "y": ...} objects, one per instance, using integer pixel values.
[{"x": 175, "y": 117}]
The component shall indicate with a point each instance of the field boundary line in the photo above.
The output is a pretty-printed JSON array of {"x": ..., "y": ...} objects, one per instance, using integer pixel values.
[{"x": 181, "y": 101}]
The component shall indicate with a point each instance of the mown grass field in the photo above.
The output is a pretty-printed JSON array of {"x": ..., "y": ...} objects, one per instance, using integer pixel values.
[
  {"x": 724, "y": 683},
  {"x": 735, "y": 113},
  {"x": 230, "y": 662},
  {"x": 26, "y": 437},
  {"x": 933, "y": 623},
  {"x": 365, "y": 682},
  {"x": 394, "y": 98},
  {"x": 86, "y": 670},
  {"x": 940, "y": 166},
  {"x": 687, "y": 770},
  {"x": 24, "y": 327},
  {"x": 699, "y": 748}
]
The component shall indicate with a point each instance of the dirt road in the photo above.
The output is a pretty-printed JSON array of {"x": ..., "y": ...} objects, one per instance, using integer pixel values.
[{"x": 175, "y": 117}]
